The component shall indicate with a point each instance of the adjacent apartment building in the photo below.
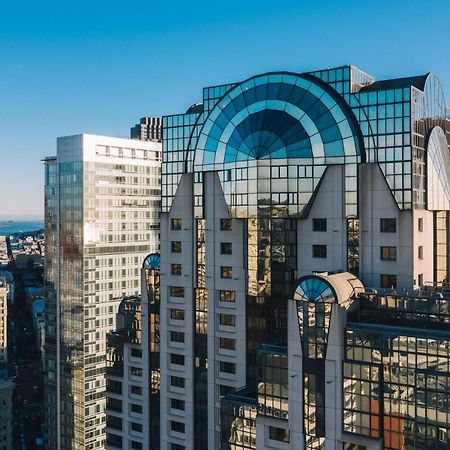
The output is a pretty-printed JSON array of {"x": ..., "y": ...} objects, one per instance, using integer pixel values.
[
  {"x": 304, "y": 298},
  {"x": 102, "y": 203}
]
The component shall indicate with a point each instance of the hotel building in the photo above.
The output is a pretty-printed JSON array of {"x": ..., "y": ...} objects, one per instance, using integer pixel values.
[
  {"x": 304, "y": 265},
  {"x": 102, "y": 203}
]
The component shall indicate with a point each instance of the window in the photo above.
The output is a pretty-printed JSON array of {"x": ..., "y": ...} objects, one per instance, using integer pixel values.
[
  {"x": 136, "y": 371},
  {"x": 388, "y": 225},
  {"x": 177, "y": 447},
  {"x": 177, "y": 426},
  {"x": 319, "y": 224},
  {"x": 227, "y": 367},
  {"x": 177, "y": 314},
  {"x": 420, "y": 252},
  {"x": 136, "y": 427},
  {"x": 177, "y": 382},
  {"x": 225, "y": 390},
  {"x": 319, "y": 251},
  {"x": 177, "y": 291},
  {"x": 175, "y": 403},
  {"x": 388, "y": 281},
  {"x": 420, "y": 224},
  {"x": 136, "y": 408},
  {"x": 113, "y": 422},
  {"x": 225, "y": 248},
  {"x": 388, "y": 253},
  {"x": 176, "y": 336},
  {"x": 136, "y": 390},
  {"x": 420, "y": 279},
  {"x": 176, "y": 269},
  {"x": 175, "y": 358},
  {"x": 226, "y": 272},
  {"x": 278, "y": 434},
  {"x": 114, "y": 440},
  {"x": 175, "y": 246},
  {"x": 136, "y": 352},
  {"x": 227, "y": 343},
  {"x": 175, "y": 224},
  {"x": 227, "y": 319},
  {"x": 136, "y": 445},
  {"x": 227, "y": 296},
  {"x": 225, "y": 224}
]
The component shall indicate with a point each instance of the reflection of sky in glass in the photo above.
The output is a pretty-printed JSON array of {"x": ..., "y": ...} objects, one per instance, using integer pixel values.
[
  {"x": 275, "y": 116},
  {"x": 314, "y": 290},
  {"x": 152, "y": 261}
]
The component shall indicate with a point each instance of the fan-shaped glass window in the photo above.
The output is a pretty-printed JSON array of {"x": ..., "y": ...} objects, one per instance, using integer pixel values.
[
  {"x": 276, "y": 116},
  {"x": 315, "y": 299},
  {"x": 438, "y": 171},
  {"x": 314, "y": 289},
  {"x": 152, "y": 261}
]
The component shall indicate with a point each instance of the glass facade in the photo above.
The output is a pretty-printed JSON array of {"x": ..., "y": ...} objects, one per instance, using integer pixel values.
[
  {"x": 152, "y": 271},
  {"x": 396, "y": 373},
  {"x": 303, "y": 164},
  {"x": 101, "y": 220}
]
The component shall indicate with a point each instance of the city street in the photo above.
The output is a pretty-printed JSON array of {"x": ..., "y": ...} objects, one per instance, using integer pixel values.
[{"x": 26, "y": 369}]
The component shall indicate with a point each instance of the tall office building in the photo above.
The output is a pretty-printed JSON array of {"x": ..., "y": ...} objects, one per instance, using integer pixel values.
[
  {"x": 148, "y": 129},
  {"x": 302, "y": 217},
  {"x": 102, "y": 202}
]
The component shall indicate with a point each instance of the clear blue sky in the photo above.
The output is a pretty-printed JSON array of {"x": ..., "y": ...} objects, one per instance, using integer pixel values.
[{"x": 98, "y": 66}]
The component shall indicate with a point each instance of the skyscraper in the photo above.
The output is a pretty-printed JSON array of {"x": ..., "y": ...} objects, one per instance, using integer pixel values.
[
  {"x": 102, "y": 202},
  {"x": 304, "y": 246},
  {"x": 148, "y": 129}
]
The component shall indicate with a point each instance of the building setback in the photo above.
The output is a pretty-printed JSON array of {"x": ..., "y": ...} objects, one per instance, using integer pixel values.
[
  {"x": 102, "y": 202},
  {"x": 304, "y": 243},
  {"x": 148, "y": 129}
]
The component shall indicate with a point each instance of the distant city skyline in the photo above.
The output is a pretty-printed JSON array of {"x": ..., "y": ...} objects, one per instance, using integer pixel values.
[{"x": 71, "y": 68}]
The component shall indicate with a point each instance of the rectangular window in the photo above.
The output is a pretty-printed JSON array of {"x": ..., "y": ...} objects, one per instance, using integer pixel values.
[
  {"x": 176, "y": 269},
  {"x": 388, "y": 225},
  {"x": 227, "y": 319},
  {"x": 278, "y": 434},
  {"x": 136, "y": 445},
  {"x": 177, "y": 291},
  {"x": 227, "y": 367},
  {"x": 420, "y": 224},
  {"x": 225, "y": 390},
  {"x": 136, "y": 390},
  {"x": 388, "y": 253},
  {"x": 177, "y": 382},
  {"x": 225, "y": 248},
  {"x": 175, "y": 358},
  {"x": 225, "y": 224},
  {"x": 175, "y": 224},
  {"x": 136, "y": 352},
  {"x": 226, "y": 272},
  {"x": 177, "y": 404},
  {"x": 421, "y": 279},
  {"x": 227, "y": 296},
  {"x": 420, "y": 252},
  {"x": 388, "y": 281},
  {"x": 319, "y": 224},
  {"x": 136, "y": 408},
  {"x": 177, "y": 447},
  {"x": 175, "y": 246},
  {"x": 136, "y": 427},
  {"x": 177, "y": 314},
  {"x": 136, "y": 371},
  {"x": 319, "y": 251},
  {"x": 177, "y": 426},
  {"x": 227, "y": 343},
  {"x": 176, "y": 336}
]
